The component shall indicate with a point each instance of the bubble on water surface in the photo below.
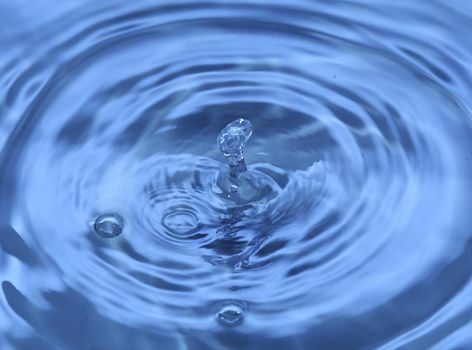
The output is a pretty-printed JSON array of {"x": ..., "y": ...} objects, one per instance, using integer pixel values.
[
  {"x": 109, "y": 225},
  {"x": 230, "y": 314}
]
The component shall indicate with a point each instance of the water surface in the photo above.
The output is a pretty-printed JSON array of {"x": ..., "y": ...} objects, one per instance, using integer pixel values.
[{"x": 362, "y": 133}]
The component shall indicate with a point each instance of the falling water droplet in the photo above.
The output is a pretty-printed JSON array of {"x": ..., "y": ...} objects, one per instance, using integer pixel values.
[
  {"x": 109, "y": 225},
  {"x": 235, "y": 182},
  {"x": 232, "y": 139},
  {"x": 230, "y": 315}
]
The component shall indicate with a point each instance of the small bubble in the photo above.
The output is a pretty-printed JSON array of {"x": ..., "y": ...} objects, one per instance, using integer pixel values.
[
  {"x": 108, "y": 225},
  {"x": 230, "y": 315}
]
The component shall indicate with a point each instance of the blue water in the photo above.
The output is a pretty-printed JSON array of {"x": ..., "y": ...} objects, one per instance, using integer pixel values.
[{"x": 354, "y": 230}]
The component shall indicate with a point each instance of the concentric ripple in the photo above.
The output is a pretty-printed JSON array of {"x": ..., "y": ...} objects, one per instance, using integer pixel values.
[{"x": 362, "y": 139}]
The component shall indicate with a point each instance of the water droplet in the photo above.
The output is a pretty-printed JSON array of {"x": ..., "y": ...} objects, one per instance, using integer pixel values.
[
  {"x": 109, "y": 225},
  {"x": 232, "y": 138},
  {"x": 230, "y": 315}
]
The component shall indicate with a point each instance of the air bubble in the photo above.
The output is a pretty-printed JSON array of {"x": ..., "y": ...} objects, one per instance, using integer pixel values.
[
  {"x": 230, "y": 315},
  {"x": 109, "y": 225}
]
